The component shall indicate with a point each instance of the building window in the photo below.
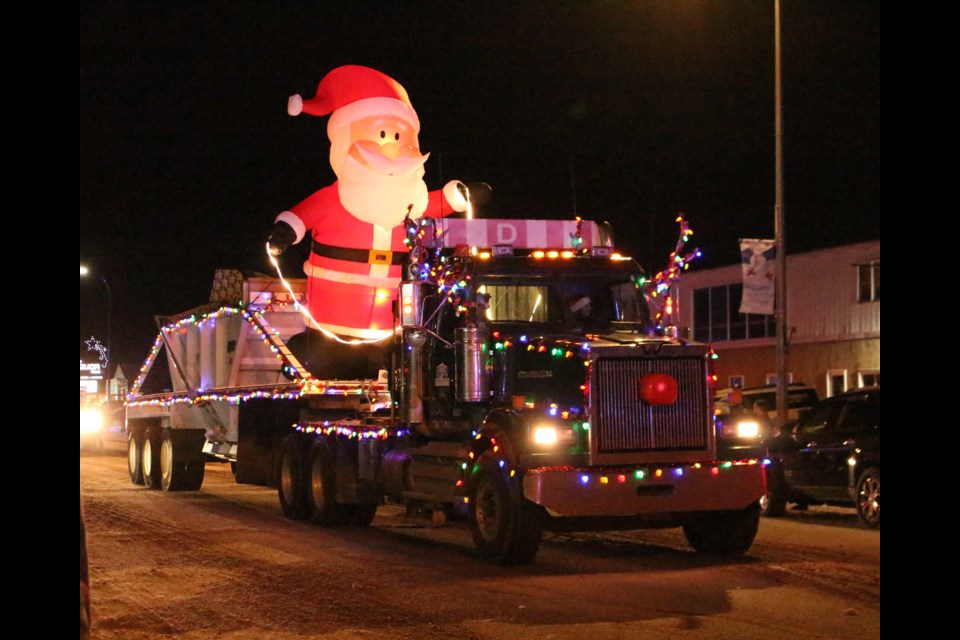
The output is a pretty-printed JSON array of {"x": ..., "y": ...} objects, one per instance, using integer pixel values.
[
  {"x": 869, "y": 378},
  {"x": 836, "y": 381},
  {"x": 716, "y": 316},
  {"x": 771, "y": 378},
  {"x": 868, "y": 282}
]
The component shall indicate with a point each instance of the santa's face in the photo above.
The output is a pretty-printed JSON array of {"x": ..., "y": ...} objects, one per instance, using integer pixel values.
[{"x": 380, "y": 168}]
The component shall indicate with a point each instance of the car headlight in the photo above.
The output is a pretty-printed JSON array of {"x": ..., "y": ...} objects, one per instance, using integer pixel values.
[
  {"x": 740, "y": 428},
  {"x": 551, "y": 434},
  {"x": 748, "y": 429},
  {"x": 91, "y": 420}
]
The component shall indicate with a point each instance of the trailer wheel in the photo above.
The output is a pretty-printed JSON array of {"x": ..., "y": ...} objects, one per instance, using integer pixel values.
[
  {"x": 723, "y": 532},
  {"x": 150, "y": 460},
  {"x": 176, "y": 474},
  {"x": 135, "y": 456},
  {"x": 506, "y": 527},
  {"x": 292, "y": 481}
]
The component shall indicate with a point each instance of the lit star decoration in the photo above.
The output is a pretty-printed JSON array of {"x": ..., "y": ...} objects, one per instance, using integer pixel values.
[
  {"x": 93, "y": 345},
  {"x": 657, "y": 289}
]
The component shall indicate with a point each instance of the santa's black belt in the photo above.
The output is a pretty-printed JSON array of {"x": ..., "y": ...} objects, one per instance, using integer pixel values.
[{"x": 373, "y": 256}]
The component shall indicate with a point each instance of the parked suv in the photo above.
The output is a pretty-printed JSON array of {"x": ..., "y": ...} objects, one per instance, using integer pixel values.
[
  {"x": 831, "y": 457},
  {"x": 800, "y": 397}
]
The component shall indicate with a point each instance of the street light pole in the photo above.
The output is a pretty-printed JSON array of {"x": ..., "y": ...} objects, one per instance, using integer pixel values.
[
  {"x": 106, "y": 284},
  {"x": 780, "y": 299}
]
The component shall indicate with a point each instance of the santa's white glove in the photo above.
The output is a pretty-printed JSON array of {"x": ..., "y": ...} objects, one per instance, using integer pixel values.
[{"x": 457, "y": 194}]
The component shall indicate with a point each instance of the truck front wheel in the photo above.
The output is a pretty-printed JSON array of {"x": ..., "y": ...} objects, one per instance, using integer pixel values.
[
  {"x": 723, "y": 532},
  {"x": 506, "y": 528},
  {"x": 292, "y": 479}
]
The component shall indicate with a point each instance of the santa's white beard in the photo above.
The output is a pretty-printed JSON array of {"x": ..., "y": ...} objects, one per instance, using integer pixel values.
[{"x": 381, "y": 199}]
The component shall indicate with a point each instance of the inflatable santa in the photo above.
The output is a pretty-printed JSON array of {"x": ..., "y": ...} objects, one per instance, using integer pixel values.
[{"x": 356, "y": 224}]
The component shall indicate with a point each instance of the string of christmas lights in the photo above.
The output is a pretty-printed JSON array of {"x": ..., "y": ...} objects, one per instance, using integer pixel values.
[
  {"x": 356, "y": 432},
  {"x": 661, "y": 283},
  {"x": 267, "y": 334},
  {"x": 309, "y": 316}
]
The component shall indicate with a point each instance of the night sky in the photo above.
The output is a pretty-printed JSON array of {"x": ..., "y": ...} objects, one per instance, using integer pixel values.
[{"x": 629, "y": 112}]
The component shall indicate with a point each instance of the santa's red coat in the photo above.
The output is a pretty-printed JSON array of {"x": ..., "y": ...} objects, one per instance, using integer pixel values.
[{"x": 350, "y": 297}]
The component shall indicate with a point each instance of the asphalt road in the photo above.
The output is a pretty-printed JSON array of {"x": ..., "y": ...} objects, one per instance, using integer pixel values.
[{"x": 223, "y": 563}]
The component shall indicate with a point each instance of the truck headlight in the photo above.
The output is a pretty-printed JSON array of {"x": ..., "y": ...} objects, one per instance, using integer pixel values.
[
  {"x": 550, "y": 434},
  {"x": 91, "y": 420}
]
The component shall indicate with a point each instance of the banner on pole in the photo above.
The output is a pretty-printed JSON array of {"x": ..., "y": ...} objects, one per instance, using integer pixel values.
[{"x": 759, "y": 275}]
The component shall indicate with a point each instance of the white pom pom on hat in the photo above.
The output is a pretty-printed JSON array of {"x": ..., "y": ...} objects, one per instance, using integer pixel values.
[
  {"x": 295, "y": 105},
  {"x": 351, "y": 92}
]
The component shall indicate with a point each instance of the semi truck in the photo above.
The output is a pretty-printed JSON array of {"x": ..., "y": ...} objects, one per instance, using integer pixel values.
[{"x": 526, "y": 387}]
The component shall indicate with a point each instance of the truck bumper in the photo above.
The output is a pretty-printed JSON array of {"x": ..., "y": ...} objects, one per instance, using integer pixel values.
[{"x": 629, "y": 491}]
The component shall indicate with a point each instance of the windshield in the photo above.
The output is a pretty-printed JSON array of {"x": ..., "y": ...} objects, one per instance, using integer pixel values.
[{"x": 581, "y": 305}]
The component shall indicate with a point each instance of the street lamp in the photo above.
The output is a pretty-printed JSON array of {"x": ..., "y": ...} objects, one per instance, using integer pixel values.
[
  {"x": 84, "y": 270},
  {"x": 780, "y": 297}
]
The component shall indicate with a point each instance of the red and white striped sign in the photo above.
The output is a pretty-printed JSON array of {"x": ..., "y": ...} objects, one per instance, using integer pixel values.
[{"x": 521, "y": 234}]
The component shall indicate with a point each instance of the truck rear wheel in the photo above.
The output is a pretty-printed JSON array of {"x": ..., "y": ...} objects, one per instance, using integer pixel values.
[
  {"x": 292, "y": 481},
  {"x": 151, "y": 460},
  {"x": 135, "y": 456},
  {"x": 723, "y": 532},
  {"x": 321, "y": 497},
  {"x": 506, "y": 528},
  {"x": 177, "y": 474}
]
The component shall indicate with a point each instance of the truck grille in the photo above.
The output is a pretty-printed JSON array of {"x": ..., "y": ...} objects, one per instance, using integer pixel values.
[{"x": 622, "y": 423}]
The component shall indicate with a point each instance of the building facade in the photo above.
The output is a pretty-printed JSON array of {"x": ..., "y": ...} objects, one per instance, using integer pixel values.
[{"x": 833, "y": 321}]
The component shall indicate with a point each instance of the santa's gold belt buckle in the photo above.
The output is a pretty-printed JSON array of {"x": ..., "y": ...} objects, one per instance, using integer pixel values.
[{"x": 380, "y": 257}]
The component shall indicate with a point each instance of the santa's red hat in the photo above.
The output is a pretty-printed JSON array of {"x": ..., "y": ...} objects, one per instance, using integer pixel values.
[{"x": 351, "y": 92}]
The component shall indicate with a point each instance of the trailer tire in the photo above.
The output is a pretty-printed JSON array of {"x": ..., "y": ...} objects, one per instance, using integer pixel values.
[
  {"x": 321, "y": 495},
  {"x": 727, "y": 533},
  {"x": 151, "y": 460},
  {"x": 506, "y": 527},
  {"x": 292, "y": 479},
  {"x": 177, "y": 474},
  {"x": 135, "y": 456}
]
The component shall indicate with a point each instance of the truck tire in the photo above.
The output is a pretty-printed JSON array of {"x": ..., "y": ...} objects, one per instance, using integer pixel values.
[
  {"x": 321, "y": 496},
  {"x": 177, "y": 474},
  {"x": 723, "y": 532},
  {"x": 774, "y": 502},
  {"x": 506, "y": 527},
  {"x": 150, "y": 460},
  {"x": 135, "y": 456},
  {"x": 292, "y": 479}
]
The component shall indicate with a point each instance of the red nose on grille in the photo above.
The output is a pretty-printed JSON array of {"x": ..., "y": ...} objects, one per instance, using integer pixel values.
[{"x": 658, "y": 388}]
